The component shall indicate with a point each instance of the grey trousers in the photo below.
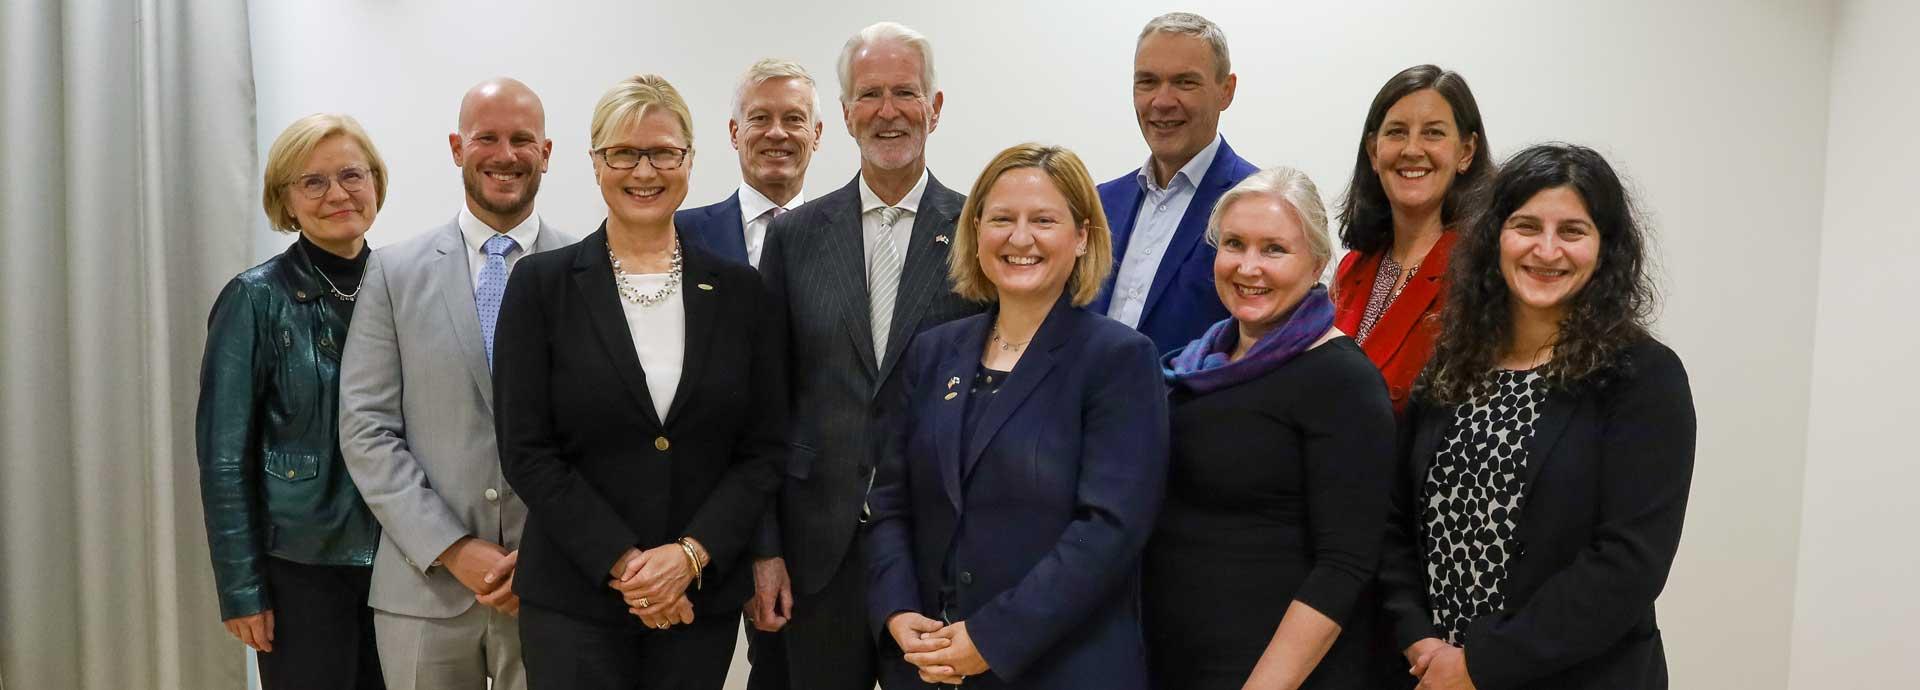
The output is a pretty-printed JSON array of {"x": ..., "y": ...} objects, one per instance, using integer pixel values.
[{"x": 458, "y": 653}]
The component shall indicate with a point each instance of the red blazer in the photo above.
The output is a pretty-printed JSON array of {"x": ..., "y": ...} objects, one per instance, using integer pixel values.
[{"x": 1402, "y": 339}]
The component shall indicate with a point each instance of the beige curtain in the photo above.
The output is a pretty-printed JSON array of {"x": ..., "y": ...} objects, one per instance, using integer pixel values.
[{"x": 127, "y": 190}]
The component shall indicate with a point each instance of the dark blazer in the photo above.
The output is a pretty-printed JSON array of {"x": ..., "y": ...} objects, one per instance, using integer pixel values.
[
  {"x": 1402, "y": 340},
  {"x": 716, "y": 228},
  {"x": 1044, "y": 515},
  {"x": 1606, "y": 490},
  {"x": 814, "y": 263},
  {"x": 1182, "y": 302},
  {"x": 582, "y": 445}
]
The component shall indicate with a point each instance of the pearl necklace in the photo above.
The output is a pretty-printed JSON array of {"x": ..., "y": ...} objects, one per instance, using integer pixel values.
[{"x": 632, "y": 294}]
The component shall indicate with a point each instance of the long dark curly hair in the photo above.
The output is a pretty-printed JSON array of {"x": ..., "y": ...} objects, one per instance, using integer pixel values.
[
  {"x": 1366, "y": 218},
  {"x": 1611, "y": 312}
]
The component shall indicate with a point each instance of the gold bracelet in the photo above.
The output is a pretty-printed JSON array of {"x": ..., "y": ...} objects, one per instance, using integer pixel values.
[{"x": 693, "y": 559}]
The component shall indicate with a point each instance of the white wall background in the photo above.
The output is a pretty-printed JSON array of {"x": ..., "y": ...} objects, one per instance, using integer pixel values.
[
  {"x": 1858, "y": 565},
  {"x": 1716, "y": 111}
]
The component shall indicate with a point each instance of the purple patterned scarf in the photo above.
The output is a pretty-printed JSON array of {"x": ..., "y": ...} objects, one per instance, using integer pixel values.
[{"x": 1203, "y": 367}]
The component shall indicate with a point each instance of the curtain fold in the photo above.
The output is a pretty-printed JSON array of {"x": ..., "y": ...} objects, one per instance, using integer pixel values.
[{"x": 126, "y": 201}]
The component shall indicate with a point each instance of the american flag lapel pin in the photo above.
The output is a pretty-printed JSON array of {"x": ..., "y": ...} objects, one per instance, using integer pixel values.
[{"x": 941, "y": 239}]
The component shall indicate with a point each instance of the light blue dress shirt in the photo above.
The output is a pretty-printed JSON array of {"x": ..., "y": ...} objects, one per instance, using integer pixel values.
[{"x": 1161, "y": 209}]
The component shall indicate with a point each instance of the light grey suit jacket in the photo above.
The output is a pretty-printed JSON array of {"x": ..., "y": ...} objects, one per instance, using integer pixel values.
[{"x": 416, "y": 419}]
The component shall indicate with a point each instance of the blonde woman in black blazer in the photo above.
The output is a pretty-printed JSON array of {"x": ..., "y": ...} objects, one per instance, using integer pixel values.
[{"x": 1549, "y": 449}]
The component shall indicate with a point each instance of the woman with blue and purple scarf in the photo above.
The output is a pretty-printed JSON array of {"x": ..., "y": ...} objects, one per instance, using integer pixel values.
[{"x": 1283, "y": 438}]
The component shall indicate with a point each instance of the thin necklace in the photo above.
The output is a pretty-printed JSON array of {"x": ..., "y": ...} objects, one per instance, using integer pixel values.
[
  {"x": 632, "y": 294},
  {"x": 1006, "y": 345},
  {"x": 335, "y": 289}
]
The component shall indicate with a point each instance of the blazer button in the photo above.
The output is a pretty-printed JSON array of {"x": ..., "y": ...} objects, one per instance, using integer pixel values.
[
  {"x": 966, "y": 577},
  {"x": 493, "y": 494},
  {"x": 661, "y": 443}
]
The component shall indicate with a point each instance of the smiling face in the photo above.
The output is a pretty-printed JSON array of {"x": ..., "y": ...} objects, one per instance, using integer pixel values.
[
  {"x": 889, "y": 113},
  {"x": 502, "y": 150},
  {"x": 1028, "y": 241},
  {"x": 775, "y": 133},
  {"x": 1548, "y": 250},
  {"x": 1177, "y": 98},
  {"x": 644, "y": 196},
  {"x": 1264, "y": 265},
  {"x": 339, "y": 219},
  {"x": 1418, "y": 150}
]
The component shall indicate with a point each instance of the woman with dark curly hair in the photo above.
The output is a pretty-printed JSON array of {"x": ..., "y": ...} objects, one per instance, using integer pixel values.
[
  {"x": 1421, "y": 149},
  {"x": 1549, "y": 451}
]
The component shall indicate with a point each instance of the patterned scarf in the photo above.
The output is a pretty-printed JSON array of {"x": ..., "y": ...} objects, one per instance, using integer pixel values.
[{"x": 1203, "y": 366}]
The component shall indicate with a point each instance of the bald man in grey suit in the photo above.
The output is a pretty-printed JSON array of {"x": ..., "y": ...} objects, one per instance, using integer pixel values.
[{"x": 416, "y": 411}]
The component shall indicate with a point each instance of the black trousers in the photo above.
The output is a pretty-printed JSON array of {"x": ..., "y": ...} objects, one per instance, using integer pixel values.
[
  {"x": 767, "y": 652},
  {"x": 564, "y": 652},
  {"x": 829, "y": 646},
  {"x": 322, "y": 629}
]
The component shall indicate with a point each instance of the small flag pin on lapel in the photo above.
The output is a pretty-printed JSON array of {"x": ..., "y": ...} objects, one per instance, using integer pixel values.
[
  {"x": 955, "y": 381},
  {"x": 941, "y": 239}
]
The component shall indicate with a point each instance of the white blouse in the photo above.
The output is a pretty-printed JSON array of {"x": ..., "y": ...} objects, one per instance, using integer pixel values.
[{"x": 659, "y": 336}]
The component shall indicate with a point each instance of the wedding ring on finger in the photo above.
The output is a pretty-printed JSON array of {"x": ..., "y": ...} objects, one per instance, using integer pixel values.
[{"x": 644, "y": 603}]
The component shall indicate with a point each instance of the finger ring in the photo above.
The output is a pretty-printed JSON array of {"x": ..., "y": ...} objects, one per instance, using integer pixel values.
[
  {"x": 664, "y": 626},
  {"x": 644, "y": 603}
]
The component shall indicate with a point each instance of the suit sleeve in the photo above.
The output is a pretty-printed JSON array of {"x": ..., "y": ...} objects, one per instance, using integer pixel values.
[
  {"x": 373, "y": 432},
  {"x": 1646, "y": 468},
  {"x": 728, "y": 521},
  {"x": 1123, "y": 472},
  {"x": 1349, "y": 471},
  {"x": 892, "y": 577},
  {"x": 1402, "y": 578},
  {"x": 583, "y": 524},
  {"x": 233, "y": 376},
  {"x": 773, "y": 273}
]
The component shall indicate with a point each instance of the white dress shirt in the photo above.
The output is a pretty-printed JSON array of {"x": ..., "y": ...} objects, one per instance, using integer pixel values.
[
  {"x": 872, "y": 233},
  {"x": 1161, "y": 209},
  {"x": 754, "y": 218},
  {"x": 477, "y": 233},
  {"x": 659, "y": 336}
]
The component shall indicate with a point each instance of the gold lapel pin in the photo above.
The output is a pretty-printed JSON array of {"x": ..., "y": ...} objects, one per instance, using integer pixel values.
[
  {"x": 941, "y": 239},
  {"x": 955, "y": 381},
  {"x": 951, "y": 396},
  {"x": 705, "y": 286}
]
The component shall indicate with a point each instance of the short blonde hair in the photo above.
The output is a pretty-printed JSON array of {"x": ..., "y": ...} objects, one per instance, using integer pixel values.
[
  {"x": 1291, "y": 186},
  {"x": 290, "y": 152},
  {"x": 769, "y": 69},
  {"x": 629, "y": 100},
  {"x": 1070, "y": 176}
]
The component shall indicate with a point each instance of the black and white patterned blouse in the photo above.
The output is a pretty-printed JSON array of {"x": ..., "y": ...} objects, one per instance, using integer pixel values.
[{"x": 1472, "y": 501}]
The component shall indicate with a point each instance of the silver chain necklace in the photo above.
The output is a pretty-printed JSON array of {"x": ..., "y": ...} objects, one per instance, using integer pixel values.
[
  {"x": 1007, "y": 345},
  {"x": 335, "y": 289},
  {"x": 632, "y": 294}
]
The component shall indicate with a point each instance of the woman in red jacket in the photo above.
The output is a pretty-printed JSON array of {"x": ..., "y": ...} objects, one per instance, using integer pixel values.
[{"x": 1422, "y": 148}]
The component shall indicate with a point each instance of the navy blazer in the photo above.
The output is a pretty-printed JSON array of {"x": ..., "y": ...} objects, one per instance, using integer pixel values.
[
  {"x": 1043, "y": 520},
  {"x": 716, "y": 228},
  {"x": 1182, "y": 303}
]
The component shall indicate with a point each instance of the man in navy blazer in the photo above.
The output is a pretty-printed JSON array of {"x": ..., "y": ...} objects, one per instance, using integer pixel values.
[
  {"x": 1162, "y": 281},
  {"x": 776, "y": 129}
]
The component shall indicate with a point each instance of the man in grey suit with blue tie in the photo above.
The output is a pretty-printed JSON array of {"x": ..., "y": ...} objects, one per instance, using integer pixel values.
[{"x": 416, "y": 410}]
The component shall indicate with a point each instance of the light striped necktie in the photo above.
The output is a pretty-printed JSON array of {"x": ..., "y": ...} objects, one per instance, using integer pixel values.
[{"x": 883, "y": 280}]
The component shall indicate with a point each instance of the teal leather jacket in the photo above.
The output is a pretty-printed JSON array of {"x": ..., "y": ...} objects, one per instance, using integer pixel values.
[{"x": 272, "y": 481}]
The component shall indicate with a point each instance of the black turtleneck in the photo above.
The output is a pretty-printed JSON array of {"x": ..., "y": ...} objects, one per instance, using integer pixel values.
[{"x": 345, "y": 273}]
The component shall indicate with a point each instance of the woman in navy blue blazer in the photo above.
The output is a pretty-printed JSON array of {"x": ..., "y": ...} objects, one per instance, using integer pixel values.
[{"x": 1020, "y": 475}]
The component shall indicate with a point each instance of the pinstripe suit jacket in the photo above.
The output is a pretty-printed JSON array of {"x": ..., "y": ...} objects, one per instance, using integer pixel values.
[{"x": 814, "y": 263}]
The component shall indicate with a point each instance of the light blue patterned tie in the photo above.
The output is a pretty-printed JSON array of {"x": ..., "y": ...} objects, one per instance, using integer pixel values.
[{"x": 493, "y": 286}]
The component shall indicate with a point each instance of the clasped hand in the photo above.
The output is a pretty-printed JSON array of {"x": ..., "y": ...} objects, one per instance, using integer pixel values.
[
  {"x": 1438, "y": 665},
  {"x": 942, "y": 653},
  {"x": 654, "y": 584}
]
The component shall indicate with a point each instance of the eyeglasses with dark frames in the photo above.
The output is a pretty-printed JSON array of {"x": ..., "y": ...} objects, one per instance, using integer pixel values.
[
  {"x": 628, "y": 158},
  {"x": 315, "y": 185}
]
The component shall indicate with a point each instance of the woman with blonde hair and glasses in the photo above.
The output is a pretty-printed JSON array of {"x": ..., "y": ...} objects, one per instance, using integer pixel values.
[
  {"x": 640, "y": 410},
  {"x": 1020, "y": 474},
  {"x": 291, "y": 538}
]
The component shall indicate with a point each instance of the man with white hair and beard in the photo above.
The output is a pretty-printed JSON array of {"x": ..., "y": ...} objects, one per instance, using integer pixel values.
[
  {"x": 426, "y": 461},
  {"x": 855, "y": 274}
]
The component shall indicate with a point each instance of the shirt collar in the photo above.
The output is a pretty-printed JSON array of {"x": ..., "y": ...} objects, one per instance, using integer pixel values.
[
  {"x": 753, "y": 204},
  {"x": 476, "y": 233},
  {"x": 1193, "y": 171},
  {"x": 870, "y": 201}
]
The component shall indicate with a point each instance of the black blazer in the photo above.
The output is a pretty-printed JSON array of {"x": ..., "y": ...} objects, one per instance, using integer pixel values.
[
  {"x": 716, "y": 228},
  {"x": 1042, "y": 513},
  {"x": 581, "y": 443},
  {"x": 1607, "y": 477},
  {"x": 814, "y": 263}
]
